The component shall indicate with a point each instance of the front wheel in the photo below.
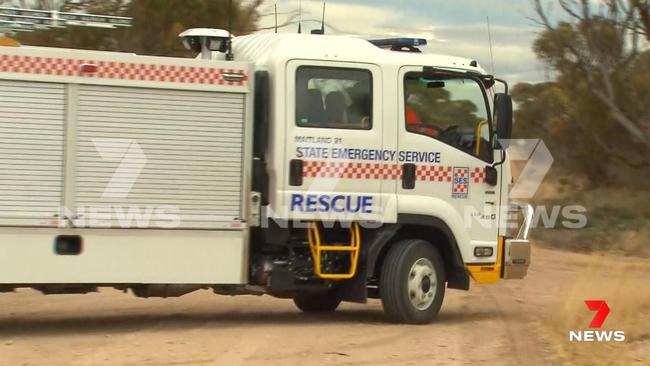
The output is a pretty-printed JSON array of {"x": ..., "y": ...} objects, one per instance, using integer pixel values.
[
  {"x": 317, "y": 302},
  {"x": 412, "y": 282}
]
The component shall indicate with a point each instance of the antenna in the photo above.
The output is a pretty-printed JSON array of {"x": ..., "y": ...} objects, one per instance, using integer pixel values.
[
  {"x": 322, "y": 22},
  {"x": 275, "y": 7},
  {"x": 229, "y": 55},
  {"x": 490, "y": 40},
  {"x": 299, "y": 16}
]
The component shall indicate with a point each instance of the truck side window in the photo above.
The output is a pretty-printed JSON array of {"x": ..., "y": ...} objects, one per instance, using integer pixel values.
[
  {"x": 451, "y": 109},
  {"x": 330, "y": 97}
]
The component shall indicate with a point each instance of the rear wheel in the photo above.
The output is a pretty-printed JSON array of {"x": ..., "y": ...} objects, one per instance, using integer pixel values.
[
  {"x": 317, "y": 302},
  {"x": 412, "y": 282}
]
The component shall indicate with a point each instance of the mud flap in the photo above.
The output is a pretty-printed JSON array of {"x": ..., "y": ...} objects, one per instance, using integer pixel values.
[{"x": 354, "y": 289}]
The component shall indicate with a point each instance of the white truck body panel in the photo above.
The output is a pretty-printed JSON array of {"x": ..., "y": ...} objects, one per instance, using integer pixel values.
[
  {"x": 114, "y": 147},
  {"x": 131, "y": 256}
]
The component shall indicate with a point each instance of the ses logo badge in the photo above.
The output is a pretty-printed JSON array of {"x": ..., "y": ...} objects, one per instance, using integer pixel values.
[{"x": 602, "y": 310}]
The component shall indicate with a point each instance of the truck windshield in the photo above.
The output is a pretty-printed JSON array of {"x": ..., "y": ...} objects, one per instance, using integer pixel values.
[{"x": 452, "y": 110}]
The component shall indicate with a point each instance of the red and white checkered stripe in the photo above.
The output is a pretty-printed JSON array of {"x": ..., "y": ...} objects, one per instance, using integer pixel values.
[
  {"x": 385, "y": 171},
  {"x": 478, "y": 175},
  {"x": 58, "y": 66},
  {"x": 433, "y": 173},
  {"x": 350, "y": 170}
]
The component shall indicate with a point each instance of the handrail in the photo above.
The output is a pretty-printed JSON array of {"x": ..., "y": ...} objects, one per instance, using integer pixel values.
[
  {"x": 478, "y": 136},
  {"x": 528, "y": 211}
]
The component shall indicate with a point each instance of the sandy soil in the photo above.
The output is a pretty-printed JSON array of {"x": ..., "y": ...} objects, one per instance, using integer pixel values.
[{"x": 512, "y": 323}]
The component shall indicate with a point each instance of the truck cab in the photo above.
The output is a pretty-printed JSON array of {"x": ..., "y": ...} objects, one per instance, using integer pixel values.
[{"x": 402, "y": 142}]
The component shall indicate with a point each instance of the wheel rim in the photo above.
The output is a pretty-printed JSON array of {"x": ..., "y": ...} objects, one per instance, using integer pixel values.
[{"x": 422, "y": 284}]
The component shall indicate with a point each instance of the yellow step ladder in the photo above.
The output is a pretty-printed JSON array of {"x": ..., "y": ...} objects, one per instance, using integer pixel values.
[{"x": 317, "y": 248}]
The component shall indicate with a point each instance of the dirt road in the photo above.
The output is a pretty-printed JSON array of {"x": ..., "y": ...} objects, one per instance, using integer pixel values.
[{"x": 512, "y": 323}]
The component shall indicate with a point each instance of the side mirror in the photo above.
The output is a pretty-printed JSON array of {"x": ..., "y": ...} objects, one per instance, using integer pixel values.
[
  {"x": 503, "y": 115},
  {"x": 429, "y": 73}
]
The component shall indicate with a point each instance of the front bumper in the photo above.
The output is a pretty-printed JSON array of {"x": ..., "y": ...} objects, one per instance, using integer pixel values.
[{"x": 517, "y": 250}]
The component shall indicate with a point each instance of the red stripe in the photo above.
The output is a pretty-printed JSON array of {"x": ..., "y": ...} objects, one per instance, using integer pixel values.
[{"x": 114, "y": 70}]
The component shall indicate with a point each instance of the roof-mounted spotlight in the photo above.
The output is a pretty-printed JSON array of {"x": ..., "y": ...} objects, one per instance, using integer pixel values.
[{"x": 206, "y": 40}]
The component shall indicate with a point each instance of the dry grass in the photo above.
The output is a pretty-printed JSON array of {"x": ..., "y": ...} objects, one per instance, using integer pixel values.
[
  {"x": 623, "y": 284},
  {"x": 618, "y": 218}
]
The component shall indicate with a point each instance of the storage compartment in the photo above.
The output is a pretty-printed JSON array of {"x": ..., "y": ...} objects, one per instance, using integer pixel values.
[
  {"x": 134, "y": 142},
  {"x": 159, "y": 158},
  {"x": 31, "y": 152}
]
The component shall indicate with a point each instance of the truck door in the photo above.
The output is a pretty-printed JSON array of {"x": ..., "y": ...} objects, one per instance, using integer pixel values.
[
  {"x": 333, "y": 146},
  {"x": 444, "y": 141}
]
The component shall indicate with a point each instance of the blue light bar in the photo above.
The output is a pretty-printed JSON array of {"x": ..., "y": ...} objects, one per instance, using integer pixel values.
[{"x": 399, "y": 42}]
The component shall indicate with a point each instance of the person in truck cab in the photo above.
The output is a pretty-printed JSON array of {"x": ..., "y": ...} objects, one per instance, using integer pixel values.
[
  {"x": 414, "y": 122},
  {"x": 360, "y": 105}
]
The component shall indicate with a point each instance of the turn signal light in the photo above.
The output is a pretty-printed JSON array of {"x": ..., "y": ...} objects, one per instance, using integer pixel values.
[{"x": 9, "y": 42}]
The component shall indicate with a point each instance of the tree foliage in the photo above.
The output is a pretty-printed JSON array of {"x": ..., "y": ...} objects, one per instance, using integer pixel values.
[
  {"x": 596, "y": 115},
  {"x": 156, "y": 24}
]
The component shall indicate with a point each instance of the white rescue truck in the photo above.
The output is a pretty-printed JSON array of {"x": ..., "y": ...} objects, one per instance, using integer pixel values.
[{"x": 313, "y": 167}]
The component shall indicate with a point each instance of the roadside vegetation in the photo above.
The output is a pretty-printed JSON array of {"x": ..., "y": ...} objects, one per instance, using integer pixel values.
[{"x": 595, "y": 119}]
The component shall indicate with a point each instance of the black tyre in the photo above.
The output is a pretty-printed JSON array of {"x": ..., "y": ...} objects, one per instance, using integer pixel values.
[
  {"x": 412, "y": 282},
  {"x": 317, "y": 302}
]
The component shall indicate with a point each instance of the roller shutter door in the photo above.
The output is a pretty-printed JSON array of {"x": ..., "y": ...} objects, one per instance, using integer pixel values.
[
  {"x": 151, "y": 152},
  {"x": 31, "y": 152}
]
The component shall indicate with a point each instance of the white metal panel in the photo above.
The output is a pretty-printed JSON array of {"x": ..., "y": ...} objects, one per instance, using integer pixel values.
[
  {"x": 146, "y": 149},
  {"x": 31, "y": 152},
  {"x": 125, "y": 256}
]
